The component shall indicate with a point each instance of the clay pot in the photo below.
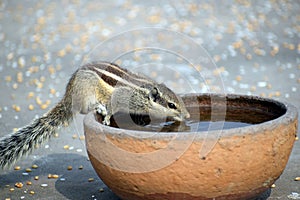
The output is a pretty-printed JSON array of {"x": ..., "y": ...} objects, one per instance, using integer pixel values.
[{"x": 236, "y": 163}]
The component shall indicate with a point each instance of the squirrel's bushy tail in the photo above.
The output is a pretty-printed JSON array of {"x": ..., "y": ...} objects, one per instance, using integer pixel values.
[{"x": 23, "y": 141}]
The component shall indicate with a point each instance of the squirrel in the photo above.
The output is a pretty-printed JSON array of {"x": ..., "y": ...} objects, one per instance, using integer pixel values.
[{"x": 105, "y": 88}]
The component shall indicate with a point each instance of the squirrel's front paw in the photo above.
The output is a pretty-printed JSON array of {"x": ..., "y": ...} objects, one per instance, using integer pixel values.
[
  {"x": 101, "y": 109},
  {"x": 106, "y": 120}
]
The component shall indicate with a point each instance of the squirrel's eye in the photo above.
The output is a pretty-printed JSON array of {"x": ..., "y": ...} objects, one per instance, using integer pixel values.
[{"x": 172, "y": 106}]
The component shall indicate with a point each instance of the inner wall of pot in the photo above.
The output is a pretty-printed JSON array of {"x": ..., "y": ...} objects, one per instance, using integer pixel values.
[
  {"x": 208, "y": 112},
  {"x": 234, "y": 108}
]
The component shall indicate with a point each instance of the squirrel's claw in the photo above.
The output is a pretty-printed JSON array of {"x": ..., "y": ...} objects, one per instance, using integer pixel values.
[
  {"x": 101, "y": 109},
  {"x": 106, "y": 120}
]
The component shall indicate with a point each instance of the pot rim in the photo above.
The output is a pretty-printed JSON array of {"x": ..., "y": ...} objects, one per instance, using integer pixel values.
[{"x": 289, "y": 116}]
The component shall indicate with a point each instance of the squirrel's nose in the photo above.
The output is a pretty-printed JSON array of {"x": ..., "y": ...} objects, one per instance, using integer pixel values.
[
  {"x": 183, "y": 117},
  {"x": 187, "y": 115}
]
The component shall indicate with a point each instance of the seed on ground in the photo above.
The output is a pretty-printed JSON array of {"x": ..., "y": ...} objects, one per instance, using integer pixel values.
[
  {"x": 15, "y": 86},
  {"x": 51, "y": 69},
  {"x": 44, "y": 185},
  {"x": 48, "y": 102},
  {"x": 34, "y": 166},
  {"x": 30, "y": 107},
  {"x": 55, "y": 176},
  {"x": 52, "y": 176},
  {"x": 17, "y": 167},
  {"x": 8, "y": 78},
  {"x": 38, "y": 101},
  {"x": 101, "y": 190},
  {"x": 69, "y": 167},
  {"x": 253, "y": 89},
  {"x": 82, "y": 137},
  {"x": 66, "y": 124},
  {"x": 238, "y": 78},
  {"x": 19, "y": 77},
  {"x": 17, "y": 108},
  {"x": 19, "y": 185},
  {"x": 15, "y": 130},
  {"x": 42, "y": 78},
  {"x": 277, "y": 93},
  {"x": 31, "y": 192},
  {"x": 10, "y": 56},
  {"x": 273, "y": 186},
  {"x": 44, "y": 106},
  {"x": 30, "y": 95},
  {"x": 61, "y": 53},
  {"x": 269, "y": 86},
  {"x": 28, "y": 183},
  {"x": 297, "y": 178},
  {"x": 262, "y": 94},
  {"x": 91, "y": 179},
  {"x": 52, "y": 91},
  {"x": 28, "y": 170},
  {"x": 36, "y": 178},
  {"x": 249, "y": 56}
]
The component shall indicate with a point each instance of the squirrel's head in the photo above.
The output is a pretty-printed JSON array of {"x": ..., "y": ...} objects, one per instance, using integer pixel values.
[{"x": 164, "y": 103}]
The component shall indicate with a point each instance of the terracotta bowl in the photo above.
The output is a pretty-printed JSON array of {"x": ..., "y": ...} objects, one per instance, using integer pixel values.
[{"x": 234, "y": 163}]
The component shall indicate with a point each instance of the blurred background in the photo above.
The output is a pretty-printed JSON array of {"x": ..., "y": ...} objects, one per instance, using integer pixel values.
[{"x": 253, "y": 47}]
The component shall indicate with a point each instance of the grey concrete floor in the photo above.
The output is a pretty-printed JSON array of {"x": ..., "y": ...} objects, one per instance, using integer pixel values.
[{"x": 255, "y": 45}]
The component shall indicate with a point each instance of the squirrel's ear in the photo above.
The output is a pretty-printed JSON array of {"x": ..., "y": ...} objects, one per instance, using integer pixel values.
[{"x": 154, "y": 94}]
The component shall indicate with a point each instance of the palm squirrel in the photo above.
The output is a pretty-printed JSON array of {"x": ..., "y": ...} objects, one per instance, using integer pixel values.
[{"x": 105, "y": 87}]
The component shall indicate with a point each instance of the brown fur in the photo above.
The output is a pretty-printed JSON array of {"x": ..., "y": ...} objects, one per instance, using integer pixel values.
[{"x": 93, "y": 84}]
